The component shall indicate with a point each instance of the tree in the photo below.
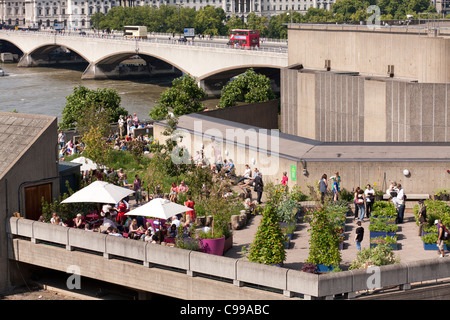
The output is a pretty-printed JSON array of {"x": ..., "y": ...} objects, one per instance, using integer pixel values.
[
  {"x": 248, "y": 87},
  {"x": 268, "y": 245},
  {"x": 100, "y": 100},
  {"x": 324, "y": 241},
  {"x": 183, "y": 97},
  {"x": 208, "y": 20},
  {"x": 261, "y": 24},
  {"x": 96, "y": 147}
]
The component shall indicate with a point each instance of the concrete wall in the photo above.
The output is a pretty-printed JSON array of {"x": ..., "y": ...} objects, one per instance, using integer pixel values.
[
  {"x": 244, "y": 152},
  {"x": 184, "y": 284},
  {"x": 343, "y": 107},
  {"x": 267, "y": 114},
  {"x": 370, "y": 51},
  {"x": 424, "y": 178}
]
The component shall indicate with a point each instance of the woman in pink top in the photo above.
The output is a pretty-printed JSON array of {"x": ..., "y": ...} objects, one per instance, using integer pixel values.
[
  {"x": 284, "y": 180},
  {"x": 173, "y": 192}
]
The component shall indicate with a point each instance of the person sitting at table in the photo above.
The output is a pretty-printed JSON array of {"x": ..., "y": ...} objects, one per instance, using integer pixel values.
[
  {"x": 172, "y": 231},
  {"x": 87, "y": 227},
  {"x": 59, "y": 222},
  {"x": 53, "y": 218},
  {"x": 78, "y": 221},
  {"x": 107, "y": 222},
  {"x": 148, "y": 236},
  {"x": 132, "y": 230},
  {"x": 176, "y": 221},
  {"x": 115, "y": 232}
]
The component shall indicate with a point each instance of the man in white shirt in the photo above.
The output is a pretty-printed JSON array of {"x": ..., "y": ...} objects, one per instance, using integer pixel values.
[
  {"x": 247, "y": 173},
  {"x": 399, "y": 203},
  {"x": 369, "y": 195}
]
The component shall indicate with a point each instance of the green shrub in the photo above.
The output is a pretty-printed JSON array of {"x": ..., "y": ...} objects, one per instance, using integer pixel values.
[{"x": 381, "y": 255}]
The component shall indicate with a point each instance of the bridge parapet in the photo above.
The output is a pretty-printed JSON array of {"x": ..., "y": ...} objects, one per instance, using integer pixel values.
[{"x": 288, "y": 282}]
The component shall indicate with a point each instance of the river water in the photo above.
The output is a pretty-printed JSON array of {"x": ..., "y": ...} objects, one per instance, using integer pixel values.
[{"x": 43, "y": 90}]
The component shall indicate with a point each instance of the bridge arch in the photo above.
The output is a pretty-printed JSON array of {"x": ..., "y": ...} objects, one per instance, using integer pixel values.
[
  {"x": 106, "y": 66},
  {"x": 37, "y": 55},
  {"x": 213, "y": 82}
]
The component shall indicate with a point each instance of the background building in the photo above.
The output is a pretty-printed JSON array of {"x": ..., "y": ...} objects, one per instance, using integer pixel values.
[{"x": 75, "y": 14}]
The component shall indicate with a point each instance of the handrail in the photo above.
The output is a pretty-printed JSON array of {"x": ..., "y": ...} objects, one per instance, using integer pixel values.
[{"x": 293, "y": 283}]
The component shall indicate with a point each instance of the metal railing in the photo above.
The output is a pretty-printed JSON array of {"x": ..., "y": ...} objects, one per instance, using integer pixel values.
[{"x": 151, "y": 39}]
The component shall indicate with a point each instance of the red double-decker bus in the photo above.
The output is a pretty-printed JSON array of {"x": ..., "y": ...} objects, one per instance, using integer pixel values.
[{"x": 242, "y": 38}]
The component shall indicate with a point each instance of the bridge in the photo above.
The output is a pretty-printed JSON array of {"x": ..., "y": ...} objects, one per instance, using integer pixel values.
[{"x": 104, "y": 53}]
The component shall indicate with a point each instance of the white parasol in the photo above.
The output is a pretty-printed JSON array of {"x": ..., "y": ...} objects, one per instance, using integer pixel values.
[
  {"x": 159, "y": 208},
  {"x": 99, "y": 192},
  {"x": 87, "y": 164}
]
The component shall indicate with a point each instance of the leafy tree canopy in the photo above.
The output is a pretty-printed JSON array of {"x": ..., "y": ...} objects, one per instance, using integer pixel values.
[
  {"x": 183, "y": 97},
  {"x": 84, "y": 100},
  {"x": 248, "y": 87}
]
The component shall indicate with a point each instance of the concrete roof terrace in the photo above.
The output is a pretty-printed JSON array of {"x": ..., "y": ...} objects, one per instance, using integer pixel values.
[{"x": 298, "y": 148}]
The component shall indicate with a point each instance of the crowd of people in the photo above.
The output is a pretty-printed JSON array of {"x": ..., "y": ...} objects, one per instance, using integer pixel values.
[
  {"x": 114, "y": 220},
  {"x": 122, "y": 139}
]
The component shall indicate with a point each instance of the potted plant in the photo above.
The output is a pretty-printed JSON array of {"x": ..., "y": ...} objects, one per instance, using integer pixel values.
[
  {"x": 268, "y": 244},
  {"x": 213, "y": 240},
  {"x": 381, "y": 255},
  {"x": 430, "y": 241},
  {"x": 324, "y": 242},
  {"x": 390, "y": 241},
  {"x": 378, "y": 229},
  {"x": 441, "y": 194}
]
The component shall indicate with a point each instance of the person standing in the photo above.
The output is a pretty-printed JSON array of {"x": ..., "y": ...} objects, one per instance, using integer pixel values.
[
  {"x": 354, "y": 201},
  {"x": 259, "y": 187},
  {"x": 360, "y": 204},
  {"x": 336, "y": 187},
  {"x": 359, "y": 236},
  {"x": 323, "y": 185},
  {"x": 422, "y": 215},
  {"x": 135, "y": 120},
  {"x": 400, "y": 203},
  {"x": 369, "y": 194},
  {"x": 62, "y": 139},
  {"x": 129, "y": 125},
  {"x": 441, "y": 237},
  {"x": 121, "y": 125},
  {"x": 284, "y": 179},
  {"x": 137, "y": 188},
  {"x": 190, "y": 204}
]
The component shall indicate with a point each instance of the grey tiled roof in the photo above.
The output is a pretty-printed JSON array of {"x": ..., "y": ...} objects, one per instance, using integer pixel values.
[
  {"x": 17, "y": 133},
  {"x": 298, "y": 148}
]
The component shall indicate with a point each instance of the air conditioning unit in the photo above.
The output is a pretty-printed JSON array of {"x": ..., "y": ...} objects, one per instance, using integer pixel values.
[
  {"x": 390, "y": 70},
  {"x": 328, "y": 65}
]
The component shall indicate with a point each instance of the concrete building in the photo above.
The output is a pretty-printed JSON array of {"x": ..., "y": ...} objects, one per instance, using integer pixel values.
[
  {"x": 305, "y": 160},
  {"x": 366, "y": 84},
  {"x": 28, "y": 171}
]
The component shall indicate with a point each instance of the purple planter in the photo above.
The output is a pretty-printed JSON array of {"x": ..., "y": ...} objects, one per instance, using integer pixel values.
[{"x": 213, "y": 246}]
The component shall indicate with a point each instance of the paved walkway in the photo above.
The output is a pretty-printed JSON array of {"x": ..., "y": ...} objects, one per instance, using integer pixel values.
[{"x": 410, "y": 244}]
